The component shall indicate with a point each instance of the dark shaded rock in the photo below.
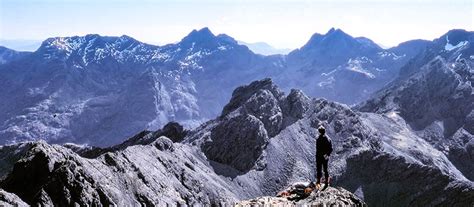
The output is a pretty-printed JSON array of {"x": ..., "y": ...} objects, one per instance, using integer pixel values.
[
  {"x": 173, "y": 130},
  {"x": 237, "y": 141},
  {"x": 371, "y": 169},
  {"x": 28, "y": 175},
  {"x": 9, "y": 155},
  {"x": 46, "y": 176}
]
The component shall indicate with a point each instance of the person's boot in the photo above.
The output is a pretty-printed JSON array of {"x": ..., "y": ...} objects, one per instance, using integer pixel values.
[{"x": 326, "y": 180}]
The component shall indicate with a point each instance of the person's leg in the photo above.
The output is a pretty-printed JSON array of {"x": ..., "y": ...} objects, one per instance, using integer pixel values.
[
  {"x": 319, "y": 174},
  {"x": 326, "y": 173}
]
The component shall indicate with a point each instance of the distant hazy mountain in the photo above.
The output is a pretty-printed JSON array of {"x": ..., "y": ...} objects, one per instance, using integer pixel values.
[
  {"x": 264, "y": 48},
  {"x": 99, "y": 90},
  {"x": 21, "y": 45},
  {"x": 343, "y": 68}
]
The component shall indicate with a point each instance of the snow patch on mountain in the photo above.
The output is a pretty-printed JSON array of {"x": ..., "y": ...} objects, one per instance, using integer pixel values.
[
  {"x": 356, "y": 66},
  {"x": 449, "y": 46}
]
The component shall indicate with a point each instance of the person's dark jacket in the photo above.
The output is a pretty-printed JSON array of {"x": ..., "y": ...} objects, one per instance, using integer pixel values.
[{"x": 323, "y": 146}]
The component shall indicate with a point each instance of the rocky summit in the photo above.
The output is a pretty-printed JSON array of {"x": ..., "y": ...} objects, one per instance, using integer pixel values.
[
  {"x": 263, "y": 141},
  {"x": 330, "y": 197}
]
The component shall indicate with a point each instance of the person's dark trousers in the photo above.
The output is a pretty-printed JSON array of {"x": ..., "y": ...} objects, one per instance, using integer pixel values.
[{"x": 321, "y": 164}]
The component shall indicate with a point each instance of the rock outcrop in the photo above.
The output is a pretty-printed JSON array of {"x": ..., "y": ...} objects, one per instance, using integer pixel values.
[
  {"x": 330, "y": 197},
  {"x": 10, "y": 199}
]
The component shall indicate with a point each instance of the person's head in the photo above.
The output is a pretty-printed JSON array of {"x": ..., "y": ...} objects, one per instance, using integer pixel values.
[{"x": 321, "y": 130}]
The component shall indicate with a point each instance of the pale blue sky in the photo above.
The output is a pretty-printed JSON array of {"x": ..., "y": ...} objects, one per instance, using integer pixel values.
[{"x": 282, "y": 23}]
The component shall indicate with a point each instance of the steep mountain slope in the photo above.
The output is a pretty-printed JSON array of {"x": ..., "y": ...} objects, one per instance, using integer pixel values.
[
  {"x": 262, "y": 141},
  {"x": 99, "y": 90},
  {"x": 435, "y": 95}
]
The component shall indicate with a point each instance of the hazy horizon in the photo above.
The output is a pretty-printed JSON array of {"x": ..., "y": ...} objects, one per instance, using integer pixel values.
[{"x": 281, "y": 23}]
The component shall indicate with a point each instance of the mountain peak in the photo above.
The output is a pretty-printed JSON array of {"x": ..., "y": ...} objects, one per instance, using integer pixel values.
[
  {"x": 243, "y": 93},
  {"x": 455, "y": 36},
  {"x": 331, "y": 30},
  {"x": 338, "y": 41},
  {"x": 332, "y": 38},
  {"x": 203, "y": 34},
  {"x": 336, "y": 31}
]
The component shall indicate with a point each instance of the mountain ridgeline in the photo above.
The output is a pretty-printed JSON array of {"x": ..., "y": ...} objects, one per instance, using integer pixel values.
[
  {"x": 99, "y": 90},
  {"x": 262, "y": 141}
]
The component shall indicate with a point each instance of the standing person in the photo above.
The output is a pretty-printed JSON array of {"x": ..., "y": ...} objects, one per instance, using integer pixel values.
[{"x": 323, "y": 151}]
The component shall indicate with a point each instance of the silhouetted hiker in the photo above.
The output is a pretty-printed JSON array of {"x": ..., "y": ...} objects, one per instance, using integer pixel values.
[{"x": 323, "y": 151}]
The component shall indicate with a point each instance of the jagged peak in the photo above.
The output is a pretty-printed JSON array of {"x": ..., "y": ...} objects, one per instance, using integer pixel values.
[
  {"x": 204, "y": 38},
  {"x": 331, "y": 38},
  {"x": 335, "y": 31},
  {"x": 203, "y": 34},
  {"x": 243, "y": 93}
]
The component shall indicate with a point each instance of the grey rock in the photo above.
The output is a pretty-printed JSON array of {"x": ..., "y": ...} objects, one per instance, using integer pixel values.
[
  {"x": 330, "y": 197},
  {"x": 10, "y": 199},
  {"x": 238, "y": 142},
  {"x": 164, "y": 143}
]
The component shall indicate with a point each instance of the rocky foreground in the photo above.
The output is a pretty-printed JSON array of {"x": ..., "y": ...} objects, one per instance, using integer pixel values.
[
  {"x": 10, "y": 199},
  {"x": 330, "y": 197},
  {"x": 263, "y": 141}
]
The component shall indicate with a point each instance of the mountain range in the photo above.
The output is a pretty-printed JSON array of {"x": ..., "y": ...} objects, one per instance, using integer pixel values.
[
  {"x": 99, "y": 90},
  {"x": 408, "y": 141}
]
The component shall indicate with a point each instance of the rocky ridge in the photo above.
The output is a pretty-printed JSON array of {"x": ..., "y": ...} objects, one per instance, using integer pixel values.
[{"x": 375, "y": 155}]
